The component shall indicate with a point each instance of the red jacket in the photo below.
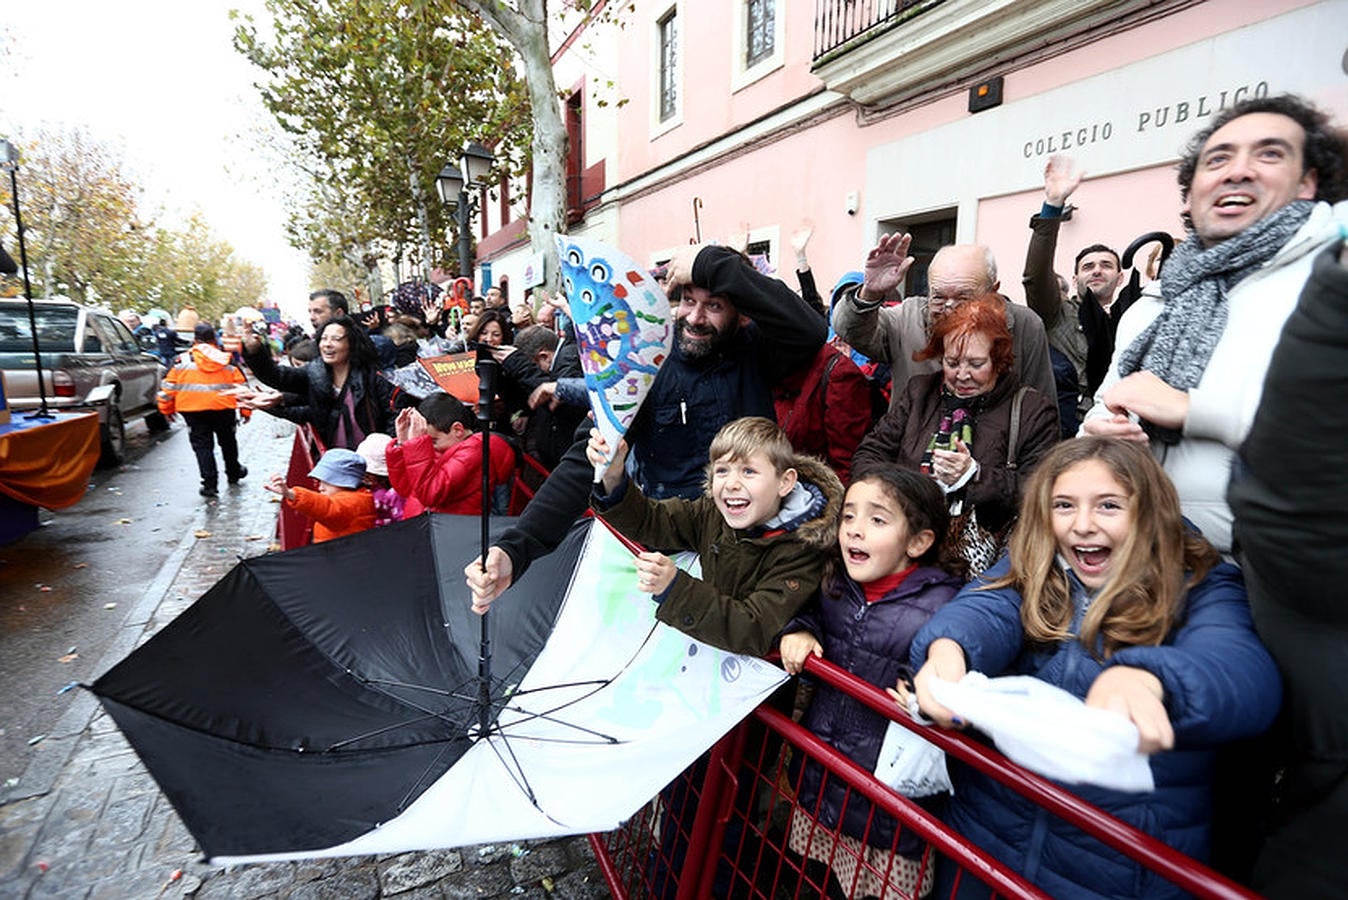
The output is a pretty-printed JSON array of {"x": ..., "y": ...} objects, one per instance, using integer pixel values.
[
  {"x": 825, "y": 409},
  {"x": 448, "y": 482},
  {"x": 335, "y": 515}
]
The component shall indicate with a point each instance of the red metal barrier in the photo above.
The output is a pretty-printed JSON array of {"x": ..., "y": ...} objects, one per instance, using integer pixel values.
[
  {"x": 530, "y": 474},
  {"x": 733, "y": 824},
  {"x": 293, "y": 529}
]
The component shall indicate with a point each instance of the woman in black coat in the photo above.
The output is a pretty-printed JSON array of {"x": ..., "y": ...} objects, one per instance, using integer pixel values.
[{"x": 341, "y": 392}]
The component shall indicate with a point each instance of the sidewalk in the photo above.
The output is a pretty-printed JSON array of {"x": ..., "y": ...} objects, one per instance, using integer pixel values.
[{"x": 87, "y": 821}]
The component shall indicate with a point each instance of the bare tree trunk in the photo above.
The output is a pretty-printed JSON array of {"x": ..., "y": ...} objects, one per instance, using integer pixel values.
[
  {"x": 526, "y": 30},
  {"x": 419, "y": 199}
]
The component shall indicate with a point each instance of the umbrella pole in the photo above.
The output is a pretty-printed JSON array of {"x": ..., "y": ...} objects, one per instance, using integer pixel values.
[
  {"x": 487, "y": 369},
  {"x": 11, "y": 162}
]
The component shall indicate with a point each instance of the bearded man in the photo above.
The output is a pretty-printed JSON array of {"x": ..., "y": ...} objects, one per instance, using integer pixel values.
[{"x": 737, "y": 332}]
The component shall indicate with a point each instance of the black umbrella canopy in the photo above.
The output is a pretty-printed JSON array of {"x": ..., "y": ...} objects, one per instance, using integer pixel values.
[{"x": 311, "y": 695}]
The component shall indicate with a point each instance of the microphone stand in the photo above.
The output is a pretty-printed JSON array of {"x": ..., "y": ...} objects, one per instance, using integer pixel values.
[{"x": 10, "y": 160}]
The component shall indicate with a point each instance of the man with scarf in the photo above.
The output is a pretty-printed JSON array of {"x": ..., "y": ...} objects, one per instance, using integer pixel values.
[{"x": 1191, "y": 354}]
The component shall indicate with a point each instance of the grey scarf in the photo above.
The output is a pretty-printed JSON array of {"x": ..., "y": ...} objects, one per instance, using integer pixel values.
[{"x": 1178, "y": 344}]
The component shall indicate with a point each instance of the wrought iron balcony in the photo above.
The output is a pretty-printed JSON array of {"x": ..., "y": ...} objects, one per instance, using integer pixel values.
[
  {"x": 838, "y": 22},
  {"x": 881, "y": 52}
]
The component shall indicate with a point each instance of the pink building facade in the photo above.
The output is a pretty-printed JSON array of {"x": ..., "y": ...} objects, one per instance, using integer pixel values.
[{"x": 756, "y": 117}]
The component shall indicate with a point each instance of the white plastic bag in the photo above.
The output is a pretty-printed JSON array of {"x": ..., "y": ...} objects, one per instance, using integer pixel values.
[
  {"x": 1049, "y": 731},
  {"x": 911, "y": 765}
]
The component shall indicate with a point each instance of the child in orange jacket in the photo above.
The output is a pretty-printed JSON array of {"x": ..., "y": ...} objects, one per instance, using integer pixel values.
[{"x": 342, "y": 504}]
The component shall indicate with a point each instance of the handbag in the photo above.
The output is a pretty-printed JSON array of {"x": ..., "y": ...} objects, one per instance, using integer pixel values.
[{"x": 969, "y": 549}]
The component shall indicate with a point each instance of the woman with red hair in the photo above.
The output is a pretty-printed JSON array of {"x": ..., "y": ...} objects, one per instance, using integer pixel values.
[{"x": 972, "y": 427}]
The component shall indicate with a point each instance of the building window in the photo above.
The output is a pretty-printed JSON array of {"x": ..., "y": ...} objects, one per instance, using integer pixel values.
[
  {"x": 669, "y": 65},
  {"x": 759, "y": 31},
  {"x": 575, "y": 157},
  {"x": 761, "y": 249},
  {"x": 930, "y": 233}
]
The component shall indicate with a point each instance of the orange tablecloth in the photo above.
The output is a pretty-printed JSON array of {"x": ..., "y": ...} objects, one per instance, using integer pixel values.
[{"x": 48, "y": 463}]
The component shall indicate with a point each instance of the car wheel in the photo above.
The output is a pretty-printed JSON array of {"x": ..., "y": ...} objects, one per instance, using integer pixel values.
[
  {"x": 114, "y": 437},
  {"x": 155, "y": 423}
]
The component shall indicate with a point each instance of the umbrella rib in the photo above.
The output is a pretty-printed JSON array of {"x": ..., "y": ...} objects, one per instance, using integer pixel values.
[
  {"x": 547, "y": 717},
  {"x": 444, "y": 717},
  {"x": 412, "y": 792},
  {"x": 599, "y": 685},
  {"x": 513, "y": 767}
]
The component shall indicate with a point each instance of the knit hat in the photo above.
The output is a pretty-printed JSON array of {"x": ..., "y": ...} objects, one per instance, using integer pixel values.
[
  {"x": 343, "y": 468},
  {"x": 848, "y": 279},
  {"x": 372, "y": 450}
]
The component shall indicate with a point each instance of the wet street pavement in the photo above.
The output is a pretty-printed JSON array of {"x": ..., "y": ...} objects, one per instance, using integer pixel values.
[{"x": 79, "y": 816}]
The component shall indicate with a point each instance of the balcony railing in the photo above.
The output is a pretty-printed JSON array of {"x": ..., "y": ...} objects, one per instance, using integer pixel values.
[{"x": 836, "y": 22}]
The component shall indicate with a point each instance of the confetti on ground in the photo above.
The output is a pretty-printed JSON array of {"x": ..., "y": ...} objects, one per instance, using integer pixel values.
[
  {"x": 68, "y": 688},
  {"x": 256, "y": 537},
  {"x": 44, "y": 588},
  {"x": 201, "y": 533},
  {"x": 80, "y": 566},
  {"x": 122, "y": 522},
  {"x": 35, "y": 739},
  {"x": 68, "y": 658},
  {"x": 109, "y": 605},
  {"x": 175, "y": 875}
]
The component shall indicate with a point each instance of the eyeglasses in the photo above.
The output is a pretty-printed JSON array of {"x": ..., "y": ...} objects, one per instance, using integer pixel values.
[{"x": 945, "y": 304}]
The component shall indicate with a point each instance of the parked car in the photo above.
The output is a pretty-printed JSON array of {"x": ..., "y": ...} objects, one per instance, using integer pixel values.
[{"x": 90, "y": 360}]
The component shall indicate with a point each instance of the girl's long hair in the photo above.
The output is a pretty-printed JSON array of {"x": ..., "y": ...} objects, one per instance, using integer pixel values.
[{"x": 1150, "y": 574}]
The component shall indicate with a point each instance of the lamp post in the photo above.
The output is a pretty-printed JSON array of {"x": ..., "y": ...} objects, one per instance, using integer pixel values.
[
  {"x": 9, "y": 159},
  {"x": 453, "y": 185}
]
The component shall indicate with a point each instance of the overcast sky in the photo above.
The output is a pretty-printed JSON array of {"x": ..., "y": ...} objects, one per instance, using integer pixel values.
[{"x": 159, "y": 80}]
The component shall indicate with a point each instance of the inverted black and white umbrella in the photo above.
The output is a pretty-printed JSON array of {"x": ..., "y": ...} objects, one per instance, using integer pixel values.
[{"x": 325, "y": 701}]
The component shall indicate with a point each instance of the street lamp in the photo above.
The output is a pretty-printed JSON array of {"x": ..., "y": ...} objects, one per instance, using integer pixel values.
[
  {"x": 453, "y": 185},
  {"x": 9, "y": 160},
  {"x": 475, "y": 161}
]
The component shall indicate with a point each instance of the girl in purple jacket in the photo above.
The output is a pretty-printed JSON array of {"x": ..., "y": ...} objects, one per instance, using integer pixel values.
[{"x": 888, "y": 587}]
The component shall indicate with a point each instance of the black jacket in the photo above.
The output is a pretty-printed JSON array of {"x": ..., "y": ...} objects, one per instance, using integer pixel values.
[
  {"x": 371, "y": 394},
  {"x": 1288, "y": 495}
]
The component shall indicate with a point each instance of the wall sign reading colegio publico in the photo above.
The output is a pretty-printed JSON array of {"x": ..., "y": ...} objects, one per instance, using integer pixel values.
[{"x": 1178, "y": 112}]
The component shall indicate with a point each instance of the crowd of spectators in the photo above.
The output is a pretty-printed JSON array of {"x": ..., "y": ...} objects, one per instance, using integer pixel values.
[{"x": 1121, "y": 583}]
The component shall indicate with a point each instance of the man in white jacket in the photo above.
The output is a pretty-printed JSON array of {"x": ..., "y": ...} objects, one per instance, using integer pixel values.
[{"x": 1191, "y": 354}]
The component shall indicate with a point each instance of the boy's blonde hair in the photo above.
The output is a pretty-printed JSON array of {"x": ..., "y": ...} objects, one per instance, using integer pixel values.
[
  {"x": 1151, "y": 573},
  {"x": 744, "y": 437}
]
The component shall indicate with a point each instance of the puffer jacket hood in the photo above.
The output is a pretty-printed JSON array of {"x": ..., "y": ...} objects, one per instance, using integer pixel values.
[
  {"x": 210, "y": 358},
  {"x": 820, "y": 530}
]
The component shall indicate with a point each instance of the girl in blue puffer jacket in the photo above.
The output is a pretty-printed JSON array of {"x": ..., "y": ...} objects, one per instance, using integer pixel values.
[
  {"x": 893, "y": 520},
  {"x": 1110, "y": 596}
]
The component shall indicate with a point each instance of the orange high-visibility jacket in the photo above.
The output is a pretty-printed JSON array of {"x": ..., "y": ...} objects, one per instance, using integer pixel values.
[{"x": 199, "y": 381}]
